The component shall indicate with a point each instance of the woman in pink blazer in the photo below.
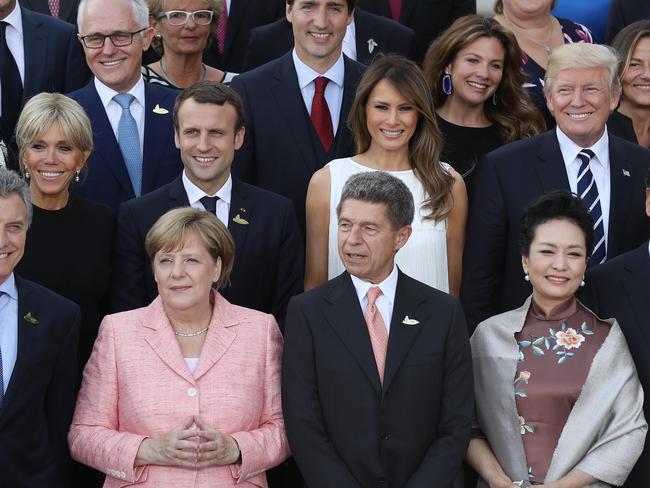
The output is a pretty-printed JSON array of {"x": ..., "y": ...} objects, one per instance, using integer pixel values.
[{"x": 184, "y": 392}]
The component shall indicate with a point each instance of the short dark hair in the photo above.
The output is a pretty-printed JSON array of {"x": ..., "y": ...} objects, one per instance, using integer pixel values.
[
  {"x": 351, "y": 4},
  {"x": 380, "y": 187},
  {"x": 211, "y": 92},
  {"x": 557, "y": 205}
]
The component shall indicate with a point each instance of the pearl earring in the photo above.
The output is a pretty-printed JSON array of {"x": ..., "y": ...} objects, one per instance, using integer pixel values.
[
  {"x": 76, "y": 177},
  {"x": 526, "y": 277}
]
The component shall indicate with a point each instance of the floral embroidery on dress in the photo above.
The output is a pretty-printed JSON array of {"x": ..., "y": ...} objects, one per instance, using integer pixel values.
[
  {"x": 559, "y": 341},
  {"x": 523, "y": 377},
  {"x": 525, "y": 426}
]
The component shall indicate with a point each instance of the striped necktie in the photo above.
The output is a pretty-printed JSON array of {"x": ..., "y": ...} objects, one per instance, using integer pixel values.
[{"x": 588, "y": 191}]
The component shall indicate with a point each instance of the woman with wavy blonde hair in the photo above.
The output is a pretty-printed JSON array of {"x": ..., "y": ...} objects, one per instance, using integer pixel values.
[{"x": 395, "y": 131}]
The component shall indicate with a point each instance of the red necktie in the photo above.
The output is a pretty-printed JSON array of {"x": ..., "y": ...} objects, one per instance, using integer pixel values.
[
  {"x": 320, "y": 114},
  {"x": 54, "y": 7},
  {"x": 222, "y": 24},
  {"x": 377, "y": 331},
  {"x": 395, "y": 9}
]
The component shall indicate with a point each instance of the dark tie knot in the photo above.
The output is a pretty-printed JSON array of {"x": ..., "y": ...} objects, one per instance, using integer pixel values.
[
  {"x": 586, "y": 155},
  {"x": 3, "y": 28},
  {"x": 321, "y": 82},
  {"x": 124, "y": 100},
  {"x": 210, "y": 203}
]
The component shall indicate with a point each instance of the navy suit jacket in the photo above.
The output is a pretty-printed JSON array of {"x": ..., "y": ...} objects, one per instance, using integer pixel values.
[
  {"x": 268, "y": 268},
  {"x": 281, "y": 150},
  {"x": 374, "y": 34},
  {"x": 107, "y": 180},
  {"x": 348, "y": 431},
  {"x": 511, "y": 178},
  {"x": 37, "y": 409},
  {"x": 620, "y": 288},
  {"x": 67, "y": 8}
]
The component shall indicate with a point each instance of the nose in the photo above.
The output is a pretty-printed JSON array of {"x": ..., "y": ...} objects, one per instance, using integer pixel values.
[
  {"x": 178, "y": 269},
  {"x": 108, "y": 48},
  {"x": 646, "y": 71},
  {"x": 50, "y": 155},
  {"x": 3, "y": 238},
  {"x": 190, "y": 23},
  {"x": 320, "y": 18},
  {"x": 560, "y": 261},
  {"x": 203, "y": 145},
  {"x": 392, "y": 116},
  {"x": 482, "y": 70},
  {"x": 354, "y": 236},
  {"x": 578, "y": 98}
]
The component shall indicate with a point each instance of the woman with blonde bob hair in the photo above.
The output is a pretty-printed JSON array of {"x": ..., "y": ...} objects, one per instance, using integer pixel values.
[
  {"x": 474, "y": 73},
  {"x": 185, "y": 391},
  {"x": 395, "y": 131}
]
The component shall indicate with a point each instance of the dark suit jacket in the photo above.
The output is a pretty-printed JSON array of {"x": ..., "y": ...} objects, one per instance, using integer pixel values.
[
  {"x": 625, "y": 12},
  {"x": 273, "y": 40},
  {"x": 427, "y": 18},
  {"x": 620, "y": 288},
  {"x": 268, "y": 268},
  {"x": 37, "y": 409},
  {"x": 507, "y": 181},
  {"x": 281, "y": 150},
  {"x": 108, "y": 181},
  {"x": 67, "y": 8},
  {"x": 244, "y": 16},
  {"x": 344, "y": 429}
]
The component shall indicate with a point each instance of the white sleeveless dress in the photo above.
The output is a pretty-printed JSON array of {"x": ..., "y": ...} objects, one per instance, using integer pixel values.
[{"x": 424, "y": 257}]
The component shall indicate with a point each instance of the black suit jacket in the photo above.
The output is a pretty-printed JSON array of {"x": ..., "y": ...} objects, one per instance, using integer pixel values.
[
  {"x": 244, "y": 16},
  {"x": 268, "y": 268},
  {"x": 511, "y": 178},
  {"x": 625, "y": 12},
  {"x": 67, "y": 8},
  {"x": 344, "y": 429},
  {"x": 427, "y": 18},
  {"x": 374, "y": 34},
  {"x": 37, "y": 409},
  {"x": 620, "y": 288},
  {"x": 281, "y": 150}
]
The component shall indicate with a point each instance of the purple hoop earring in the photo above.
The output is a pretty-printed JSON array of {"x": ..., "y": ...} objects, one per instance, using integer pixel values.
[{"x": 446, "y": 84}]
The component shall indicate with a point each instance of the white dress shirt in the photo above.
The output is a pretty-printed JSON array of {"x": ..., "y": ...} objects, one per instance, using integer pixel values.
[
  {"x": 333, "y": 90},
  {"x": 8, "y": 327},
  {"x": 194, "y": 195},
  {"x": 350, "y": 41},
  {"x": 385, "y": 301},
  {"x": 14, "y": 36},
  {"x": 114, "y": 110},
  {"x": 599, "y": 166}
]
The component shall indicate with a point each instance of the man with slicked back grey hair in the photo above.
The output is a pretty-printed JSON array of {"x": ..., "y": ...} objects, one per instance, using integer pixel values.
[
  {"x": 134, "y": 151},
  {"x": 377, "y": 374},
  {"x": 38, "y": 358},
  {"x": 579, "y": 155}
]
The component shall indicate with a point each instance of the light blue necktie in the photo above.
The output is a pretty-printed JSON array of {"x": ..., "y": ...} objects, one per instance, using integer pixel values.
[
  {"x": 128, "y": 138},
  {"x": 588, "y": 191}
]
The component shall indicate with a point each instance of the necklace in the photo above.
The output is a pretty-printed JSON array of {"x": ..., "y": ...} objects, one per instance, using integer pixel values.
[
  {"x": 169, "y": 78},
  {"x": 544, "y": 44},
  {"x": 192, "y": 334}
]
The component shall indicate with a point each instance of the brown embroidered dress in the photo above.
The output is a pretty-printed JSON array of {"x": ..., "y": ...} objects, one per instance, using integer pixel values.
[{"x": 555, "y": 354}]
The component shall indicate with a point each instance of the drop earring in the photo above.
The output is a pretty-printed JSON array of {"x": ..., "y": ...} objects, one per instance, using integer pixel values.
[
  {"x": 582, "y": 283},
  {"x": 26, "y": 173},
  {"x": 446, "y": 84},
  {"x": 494, "y": 98},
  {"x": 76, "y": 177},
  {"x": 526, "y": 277}
]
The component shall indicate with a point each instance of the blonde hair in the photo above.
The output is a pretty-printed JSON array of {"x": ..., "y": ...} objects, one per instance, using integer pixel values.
[{"x": 171, "y": 229}]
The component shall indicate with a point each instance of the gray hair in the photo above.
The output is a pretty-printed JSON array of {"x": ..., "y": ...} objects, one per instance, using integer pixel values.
[
  {"x": 380, "y": 187},
  {"x": 140, "y": 13},
  {"x": 10, "y": 183},
  {"x": 583, "y": 56}
]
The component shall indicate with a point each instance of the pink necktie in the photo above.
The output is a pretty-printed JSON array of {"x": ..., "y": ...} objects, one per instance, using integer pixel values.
[
  {"x": 395, "y": 9},
  {"x": 54, "y": 7},
  {"x": 320, "y": 114},
  {"x": 222, "y": 24},
  {"x": 376, "y": 330}
]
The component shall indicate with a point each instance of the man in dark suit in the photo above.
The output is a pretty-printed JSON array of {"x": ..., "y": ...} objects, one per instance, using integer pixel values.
[
  {"x": 377, "y": 373},
  {"x": 242, "y": 17},
  {"x": 268, "y": 268},
  {"x": 65, "y": 10},
  {"x": 38, "y": 358},
  {"x": 134, "y": 149},
  {"x": 293, "y": 126},
  {"x": 427, "y": 18},
  {"x": 620, "y": 288},
  {"x": 578, "y": 155},
  {"x": 369, "y": 34},
  {"x": 625, "y": 12},
  {"x": 37, "y": 53}
]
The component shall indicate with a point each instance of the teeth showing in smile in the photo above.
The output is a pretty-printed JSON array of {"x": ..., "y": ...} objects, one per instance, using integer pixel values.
[
  {"x": 51, "y": 174},
  {"x": 557, "y": 279},
  {"x": 391, "y": 133},
  {"x": 319, "y": 35},
  {"x": 204, "y": 160},
  {"x": 3, "y": 255},
  {"x": 579, "y": 116},
  {"x": 111, "y": 63},
  {"x": 642, "y": 87},
  {"x": 477, "y": 85}
]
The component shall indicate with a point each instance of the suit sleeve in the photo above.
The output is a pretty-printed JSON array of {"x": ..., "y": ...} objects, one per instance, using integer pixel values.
[
  {"x": 485, "y": 247},
  {"x": 244, "y": 164},
  {"x": 62, "y": 390},
  {"x": 129, "y": 265},
  {"x": 77, "y": 72},
  {"x": 303, "y": 416},
  {"x": 94, "y": 438},
  {"x": 443, "y": 459}
]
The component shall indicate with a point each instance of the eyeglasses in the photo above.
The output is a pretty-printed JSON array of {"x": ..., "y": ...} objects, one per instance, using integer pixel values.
[
  {"x": 119, "y": 39},
  {"x": 180, "y": 17}
]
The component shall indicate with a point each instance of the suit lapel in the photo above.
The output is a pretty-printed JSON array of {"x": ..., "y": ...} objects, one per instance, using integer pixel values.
[
  {"x": 35, "y": 44},
  {"x": 402, "y": 336},
  {"x": 361, "y": 37},
  {"x": 344, "y": 315},
  {"x": 549, "y": 166},
  {"x": 177, "y": 194},
  {"x": 637, "y": 291},
  {"x": 156, "y": 126},
  {"x": 242, "y": 206},
  {"x": 620, "y": 191},
  {"x": 350, "y": 83},
  {"x": 220, "y": 336}
]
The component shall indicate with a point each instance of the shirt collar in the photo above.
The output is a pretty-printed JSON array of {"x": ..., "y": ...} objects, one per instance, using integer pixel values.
[
  {"x": 387, "y": 287},
  {"x": 306, "y": 75},
  {"x": 15, "y": 20},
  {"x": 106, "y": 93},
  {"x": 570, "y": 149},
  {"x": 194, "y": 193},
  {"x": 8, "y": 286}
]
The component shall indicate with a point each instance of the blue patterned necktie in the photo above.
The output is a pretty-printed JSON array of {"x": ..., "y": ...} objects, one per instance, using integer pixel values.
[
  {"x": 588, "y": 191},
  {"x": 128, "y": 138}
]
